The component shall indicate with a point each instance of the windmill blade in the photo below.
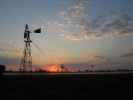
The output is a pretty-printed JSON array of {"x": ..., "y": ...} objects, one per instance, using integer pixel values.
[{"x": 37, "y": 46}]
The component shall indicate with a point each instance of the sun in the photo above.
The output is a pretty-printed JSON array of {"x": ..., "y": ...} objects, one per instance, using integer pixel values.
[{"x": 53, "y": 70}]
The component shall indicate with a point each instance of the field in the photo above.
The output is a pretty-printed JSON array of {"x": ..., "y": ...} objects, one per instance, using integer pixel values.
[{"x": 68, "y": 87}]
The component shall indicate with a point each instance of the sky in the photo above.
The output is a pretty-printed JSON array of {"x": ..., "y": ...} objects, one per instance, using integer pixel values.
[{"x": 75, "y": 33}]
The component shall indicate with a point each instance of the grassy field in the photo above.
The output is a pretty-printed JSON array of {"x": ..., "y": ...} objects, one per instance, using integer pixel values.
[{"x": 68, "y": 87}]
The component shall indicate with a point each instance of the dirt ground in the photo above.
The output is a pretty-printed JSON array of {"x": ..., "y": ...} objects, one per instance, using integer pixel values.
[{"x": 67, "y": 87}]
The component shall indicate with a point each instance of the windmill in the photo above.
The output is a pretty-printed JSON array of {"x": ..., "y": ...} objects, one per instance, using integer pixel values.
[{"x": 26, "y": 62}]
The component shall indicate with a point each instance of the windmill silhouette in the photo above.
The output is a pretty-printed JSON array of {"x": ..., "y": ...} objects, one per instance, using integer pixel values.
[{"x": 26, "y": 62}]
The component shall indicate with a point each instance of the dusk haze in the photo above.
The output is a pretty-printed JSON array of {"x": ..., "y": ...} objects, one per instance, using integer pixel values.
[{"x": 75, "y": 33}]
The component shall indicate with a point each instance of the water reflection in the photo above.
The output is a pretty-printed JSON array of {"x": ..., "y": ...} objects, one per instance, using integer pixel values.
[{"x": 69, "y": 73}]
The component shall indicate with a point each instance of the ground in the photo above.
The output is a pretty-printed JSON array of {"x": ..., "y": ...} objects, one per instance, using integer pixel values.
[{"x": 68, "y": 87}]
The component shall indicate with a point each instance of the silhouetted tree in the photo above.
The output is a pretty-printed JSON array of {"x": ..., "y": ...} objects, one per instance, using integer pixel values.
[
  {"x": 92, "y": 66},
  {"x": 62, "y": 67},
  {"x": 2, "y": 69},
  {"x": 79, "y": 71},
  {"x": 66, "y": 70},
  {"x": 10, "y": 70},
  {"x": 87, "y": 70}
]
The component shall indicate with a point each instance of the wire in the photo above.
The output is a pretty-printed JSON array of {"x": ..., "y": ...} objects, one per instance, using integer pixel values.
[{"x": 37, "y": 46}]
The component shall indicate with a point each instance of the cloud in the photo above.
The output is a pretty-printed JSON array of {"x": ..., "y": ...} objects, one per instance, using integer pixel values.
[
  {"x": 127, "y": 55},
  {"x": 62, "y": 14},
  {"x": 127, "y": 32},
  {"x": 85, "y": 30},
  {"x": 81, "y": 5},
  {"x": 117, "y": 25},
  {"x": 42, "y": 27},
  {"x": 101, "y": 17},
  {"x": 82, "y": 23},
  {"x": 56, "y": 22},
  {"x": 73, "y": 37},
  {"x": 104, "y": 59},
  {"x": 105, "y": 21},
  {"x": 126, "y": 17},
  {"x": 92, "y": 35},
  {"x": 83, "y": 14},
  {"x": 69, "y": 22},
  {"x": 62, "y": 54},
  {"x": 97, "y": 37},
  {"x": 62, "y": 61},
  {"x": 14, "y": 50},
  {"x": 62, "y": 34},
  {"x": 112, "y": 38},
  {"x": 89, "y": 25},
  {"x": 92, "y": 25},
  {"x": 4, "y": 40},
  {"x": 120, "y": 27},
  {"x": 60, "y": 24},
  {"x": 2, "y": 50},
  {"x": 10, "y": 61},
  {"x": 71, "y": 15},
  {"x": 63, "y": 31},
  {"x": 105, "y": 31},
  {"x": 113, "y": 14},
  {"x": 89, "y": 34}
]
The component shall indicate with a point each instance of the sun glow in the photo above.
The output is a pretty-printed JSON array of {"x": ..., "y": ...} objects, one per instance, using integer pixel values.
[{"x": 53, "y": 70}]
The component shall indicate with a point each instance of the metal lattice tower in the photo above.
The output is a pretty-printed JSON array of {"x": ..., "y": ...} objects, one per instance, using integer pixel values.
[{"x": 26, "y": 62}]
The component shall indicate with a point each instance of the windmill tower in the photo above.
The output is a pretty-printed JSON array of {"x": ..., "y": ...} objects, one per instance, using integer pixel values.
[{"x": 26, "y": 62}]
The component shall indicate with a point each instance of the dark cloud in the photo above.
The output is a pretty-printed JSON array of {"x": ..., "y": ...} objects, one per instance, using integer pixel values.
[
  {"x": 92, "y": 25},
  {"x": 82, "y": 23},
  {"x": 126, "y": 17},
  {"x": 105, "y": 21},
  {"x": 113, "y": 14},
  {"x": 101, "y": 17},
  {"x": 127, "y": 55},
  {"x": 102, "y": 58},
  {"x": 121, "y": 26},
  {"x": 128, "y": 31},
  {"x": 117, "y": 25},
  {"x": 105, "y": 31},
  {"x": 89, "y": 25},
  {"x": 10, "y": 61}
]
